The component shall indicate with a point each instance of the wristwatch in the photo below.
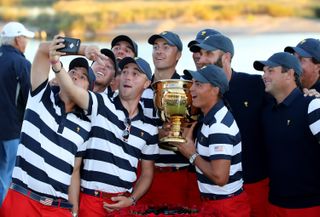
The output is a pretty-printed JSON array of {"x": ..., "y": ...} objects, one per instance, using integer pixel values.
[
  {"x": 193, "y": 157},
  {"x": 74, "y": 214}
]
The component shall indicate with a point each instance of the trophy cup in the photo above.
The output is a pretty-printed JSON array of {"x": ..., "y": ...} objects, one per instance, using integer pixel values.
[{"x": 173, "y": 100}]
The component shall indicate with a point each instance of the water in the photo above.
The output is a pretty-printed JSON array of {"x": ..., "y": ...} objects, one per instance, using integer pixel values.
[{"x": 248, "y": 48}]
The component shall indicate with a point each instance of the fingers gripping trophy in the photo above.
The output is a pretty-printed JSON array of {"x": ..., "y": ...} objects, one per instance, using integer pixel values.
[{"x": 173, "y": 101}]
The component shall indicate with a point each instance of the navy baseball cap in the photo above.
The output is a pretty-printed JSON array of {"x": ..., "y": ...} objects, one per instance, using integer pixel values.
[
  {"x": 211, "y": 74},
  {"x": 202, "y": 35},
  {"x": 309, "y": 48},
  {"x": 133, "y": 44},
  {"x": 282, "y": 59},
  {"x": 82, "y": 62},
  {"x": 215, "y": 42},
  {"x": 172, "y": 38},
  {"x": 110, "y": 54},
  {"x": 141, "y": 63}
]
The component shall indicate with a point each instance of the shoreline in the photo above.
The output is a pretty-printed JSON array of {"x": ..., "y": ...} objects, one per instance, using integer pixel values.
[{"x": 242, "y": 26}]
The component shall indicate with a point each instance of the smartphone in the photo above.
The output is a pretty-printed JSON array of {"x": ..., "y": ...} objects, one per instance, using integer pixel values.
[{"x": 72, "y": 45}]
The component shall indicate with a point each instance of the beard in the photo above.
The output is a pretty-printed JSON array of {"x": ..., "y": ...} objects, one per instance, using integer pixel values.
[{"x": 219, "y": 62}]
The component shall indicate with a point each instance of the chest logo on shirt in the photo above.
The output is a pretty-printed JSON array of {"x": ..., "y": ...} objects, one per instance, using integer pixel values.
[
  {"x": 78, "y": 129},
  {"x": 246, "y": 103},
  {"x": 288, "y": 122},
  {"x": 141, "y": 134}
]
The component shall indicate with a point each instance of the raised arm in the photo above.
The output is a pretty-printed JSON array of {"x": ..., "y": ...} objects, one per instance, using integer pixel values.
[
  {"x": 41, "y": 66},
  {"x": 77, "y": 94}
]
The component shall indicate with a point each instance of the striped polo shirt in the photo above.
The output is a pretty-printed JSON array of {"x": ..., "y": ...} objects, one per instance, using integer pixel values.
[
  {"x": 166, "y": 157},
  {"x": 111, "y": 161},
  {"x": 50, "y": 140},
  {"x": 219, "y": 138},
  {"x": 292, "y": 134}
]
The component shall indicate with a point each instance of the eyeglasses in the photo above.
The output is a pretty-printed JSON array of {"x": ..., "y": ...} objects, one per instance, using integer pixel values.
[{"x": 126, "y": 132}]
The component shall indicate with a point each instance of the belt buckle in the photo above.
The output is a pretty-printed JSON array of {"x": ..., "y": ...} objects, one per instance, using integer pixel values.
[{"x": 46, "y": 201}]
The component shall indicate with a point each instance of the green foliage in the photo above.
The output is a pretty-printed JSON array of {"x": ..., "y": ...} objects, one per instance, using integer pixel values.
[{"x": 92, "y": 17}]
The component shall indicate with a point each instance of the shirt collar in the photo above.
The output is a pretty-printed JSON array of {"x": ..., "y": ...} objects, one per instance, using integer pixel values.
[
  {"x": 119, "y": 106},
  {"x": 209, "y": 118}
]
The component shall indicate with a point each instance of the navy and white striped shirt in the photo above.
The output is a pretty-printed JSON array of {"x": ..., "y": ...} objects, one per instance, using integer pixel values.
[
  {"x": 166, "y": 158},
  {"x": 50, "y": 139},
  {"x": 110, "y": 162},
  {"x": 219, "y": 138}
]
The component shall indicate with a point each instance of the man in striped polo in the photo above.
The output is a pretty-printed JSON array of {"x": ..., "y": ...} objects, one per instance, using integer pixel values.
[
  {"x": 216, "y": 152},
  {"x": 53, "y": 134},
  {"x": 245, "y": 98},
  {"x": 291, "y": 129},
  {"x": 121, "y": 136}
]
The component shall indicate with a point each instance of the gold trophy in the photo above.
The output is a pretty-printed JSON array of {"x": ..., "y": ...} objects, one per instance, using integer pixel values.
[{"x": 173, "y": 100}]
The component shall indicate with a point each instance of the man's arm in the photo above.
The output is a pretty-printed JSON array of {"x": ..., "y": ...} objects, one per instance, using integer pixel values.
[
  {"x": 141, "y": 187},
  {"x": 77, "y": 94},
  {"x": 74, "y": 188},
  {"x": 41, "y": 66}
]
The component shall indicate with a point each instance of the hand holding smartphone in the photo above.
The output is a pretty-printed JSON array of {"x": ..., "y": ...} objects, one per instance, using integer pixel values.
[{"x": 72, "y": 45}]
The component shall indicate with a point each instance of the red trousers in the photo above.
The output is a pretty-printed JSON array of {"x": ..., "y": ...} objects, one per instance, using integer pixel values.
[
  {"x": 258, "y": 197},
  {"x": 91, "y": 206},
  {"x": 275, "y": 211},
  {"x": 19, "y": 205},
  {"x": 173, "y": 189},
  {"x": 237, "y": 206}
]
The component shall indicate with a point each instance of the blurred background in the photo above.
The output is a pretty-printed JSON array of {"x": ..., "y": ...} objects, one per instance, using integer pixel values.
[{"x": 257, "y": 28}]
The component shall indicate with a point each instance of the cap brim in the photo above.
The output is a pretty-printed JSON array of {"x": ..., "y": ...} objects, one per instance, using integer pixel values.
[
  {"x": 198, "y": 77},
  {"x": 79, "y": 62},
  {"x": 127, "y": 39},
  {"x": 299, "y": 51},
  {"x": 153, "y": 38},
  {"x": 28, "y": 34},
  {"x": 258, "y": 65},
  {"x": 198, "y": 47},
  {"x": 193, "y": 42}
]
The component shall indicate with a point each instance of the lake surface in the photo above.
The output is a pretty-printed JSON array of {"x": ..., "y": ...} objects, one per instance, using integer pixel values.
[{"x": 248, "y": 48}]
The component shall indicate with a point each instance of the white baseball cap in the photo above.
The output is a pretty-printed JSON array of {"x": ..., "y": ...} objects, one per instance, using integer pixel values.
[{"x": 14, "y": 29}]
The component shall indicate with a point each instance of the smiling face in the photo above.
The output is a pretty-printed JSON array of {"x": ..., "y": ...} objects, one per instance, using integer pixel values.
[
  {"x": 132, "y": 82},
  {"x": 274, "y": 79},
  {"x": 104, "y": 73},
  {"x": 204, "y": 95},
  {"x": 164, "y": 55}
]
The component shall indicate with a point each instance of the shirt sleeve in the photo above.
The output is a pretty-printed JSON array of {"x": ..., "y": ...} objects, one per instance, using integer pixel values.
[{"x": 314, "y": 117}]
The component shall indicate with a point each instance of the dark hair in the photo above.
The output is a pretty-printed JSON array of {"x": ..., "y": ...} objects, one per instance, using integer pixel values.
[{"x": 296, "y": 77}]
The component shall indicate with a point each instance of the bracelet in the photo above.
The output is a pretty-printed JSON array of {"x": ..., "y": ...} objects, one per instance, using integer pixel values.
[
  {"x": 134, "y": 200},
  {"x": 57, "y": 71}
]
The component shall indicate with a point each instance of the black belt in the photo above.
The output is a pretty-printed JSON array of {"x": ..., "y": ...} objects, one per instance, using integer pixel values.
[
  {"x": 101, "y": 194},
  {"x": 170, "y": 169},
  {"x": 221, "y": 197},
  {"x": 41, "y": 199}
]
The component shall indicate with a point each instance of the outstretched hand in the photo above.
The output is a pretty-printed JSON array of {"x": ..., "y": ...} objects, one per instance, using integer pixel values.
[{"x": 56, "y": 44}]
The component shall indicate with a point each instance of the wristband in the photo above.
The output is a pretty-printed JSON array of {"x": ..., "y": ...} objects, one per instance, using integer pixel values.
[
  {"x": 134, "y": 200},
  {"x": 57, "y": 71}
]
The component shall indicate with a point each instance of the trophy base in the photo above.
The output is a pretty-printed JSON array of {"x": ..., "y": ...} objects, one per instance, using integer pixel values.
[{"x": 165, "y": 143}]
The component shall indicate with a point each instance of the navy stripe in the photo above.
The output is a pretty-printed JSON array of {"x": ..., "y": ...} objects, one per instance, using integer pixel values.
[
  {"x": 233, "y": 178},
  {"x": 105, "y": 178},
  {"x": 40, "y": 175},
  {"x": 47, "y": 132},
  {"x": 35, "y": 146},
  {"x": 103, "y": 156}
]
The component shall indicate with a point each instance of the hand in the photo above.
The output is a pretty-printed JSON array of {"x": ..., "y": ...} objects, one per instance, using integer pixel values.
[
  {"x": 165, "y": 130},
  {"x": 92, "y": 52},
  {"x": 120, "y": 202},
  {"x": 55, "y": 55},
  {"x": 311, "y": 92},
  {"x": 188, "y": 148}
]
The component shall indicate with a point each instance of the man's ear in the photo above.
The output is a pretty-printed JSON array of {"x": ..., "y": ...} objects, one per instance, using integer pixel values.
[{"x": 147, "y": 84}]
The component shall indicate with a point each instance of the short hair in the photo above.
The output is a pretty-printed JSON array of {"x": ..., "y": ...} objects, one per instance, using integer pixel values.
[{"x": 7, "y": 40}]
